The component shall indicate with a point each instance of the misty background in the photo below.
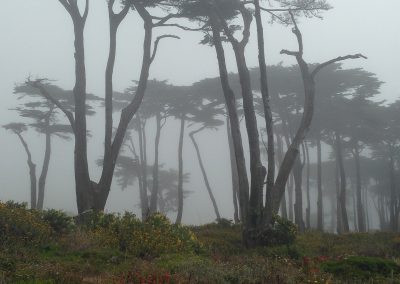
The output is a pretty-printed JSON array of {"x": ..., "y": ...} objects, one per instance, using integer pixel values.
[{"x": 37, "y": 40}]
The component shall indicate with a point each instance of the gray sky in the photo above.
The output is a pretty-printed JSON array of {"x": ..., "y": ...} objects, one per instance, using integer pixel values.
[{"x": 37, "y": 39}]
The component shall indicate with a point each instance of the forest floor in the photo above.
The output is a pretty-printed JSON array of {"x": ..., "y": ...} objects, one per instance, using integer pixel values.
[{"x": 49, "y": 248}]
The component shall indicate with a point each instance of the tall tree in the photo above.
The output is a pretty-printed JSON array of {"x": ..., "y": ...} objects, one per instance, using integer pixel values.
[{"x": 92, "y": 195}]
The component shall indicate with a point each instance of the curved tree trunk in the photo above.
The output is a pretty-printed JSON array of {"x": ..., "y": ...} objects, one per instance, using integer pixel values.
[
  {"x": 180, "y": 171},
  {"x": 154, "y": 191},
  {"x": 203, "y": 171}
]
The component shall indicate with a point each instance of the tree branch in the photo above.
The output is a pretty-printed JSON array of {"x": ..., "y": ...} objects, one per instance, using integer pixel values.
[
  {"x": 340, "y": 58},
  {"x": 66, "y": 5},
  {"x": 86, "y": 12},
  {"x": 37, "y": 84},
  {"x": 156, "y": 43}
]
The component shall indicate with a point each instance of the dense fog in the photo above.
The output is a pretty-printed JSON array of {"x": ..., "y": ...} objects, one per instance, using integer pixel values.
[{"x": 356, "y": 101}]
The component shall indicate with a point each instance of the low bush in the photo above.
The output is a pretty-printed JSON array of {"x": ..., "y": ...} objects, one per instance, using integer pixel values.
[
  {"x": 21, "y": 226},
  {"x": 282, "y": 232},
  {"x": 361, "y": 268},
  {"x": 150, "y": 238},
  {"x": 58, "y": 220}
]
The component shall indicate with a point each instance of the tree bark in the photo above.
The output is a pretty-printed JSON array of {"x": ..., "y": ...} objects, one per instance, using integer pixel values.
[
  {"x": 180, "y": 171},
  {"x": 203, "y": 171}
]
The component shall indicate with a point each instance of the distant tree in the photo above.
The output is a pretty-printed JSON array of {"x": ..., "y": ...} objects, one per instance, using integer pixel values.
[
  {"x": 44, "y": 119},
  {"x": 205, "y": 114}
]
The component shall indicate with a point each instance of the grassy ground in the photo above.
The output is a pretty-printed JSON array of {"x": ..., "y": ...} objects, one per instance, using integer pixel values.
[{"x": 48, "y": 248}]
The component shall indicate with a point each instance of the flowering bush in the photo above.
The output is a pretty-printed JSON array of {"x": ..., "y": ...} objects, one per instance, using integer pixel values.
[
  {"x": 152, "y": 237},
  {"x": 21, "y": 225},
  {"x": 58, "y": 220}
]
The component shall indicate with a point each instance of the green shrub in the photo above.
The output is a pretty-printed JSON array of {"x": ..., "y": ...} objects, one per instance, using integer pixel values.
[
  {"x": 19, "y": 225},
  {"x": 58, "y": 220},
  {"x": 282, "y": 232},
  {"x": 152, "y": 237},
  {"x": 361, "y": 268}
]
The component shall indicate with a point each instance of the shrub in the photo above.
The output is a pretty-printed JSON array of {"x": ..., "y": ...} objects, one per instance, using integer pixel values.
[
  {"x": 361, "y": 268},
  {"x": 58, "y": 220},
  {"x": 20, "y": 225},
  {"x": 282, "y": 232},
  {"x": 152, "y": 237}
]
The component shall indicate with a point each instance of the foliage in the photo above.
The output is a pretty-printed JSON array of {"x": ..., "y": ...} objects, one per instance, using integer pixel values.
[
  {"x": 58, "y": 220},
  {"x": 20, "y": 225},
  {"x": 153, "y": 237},
  {"x": 282, "y": 232},
  {"x": 361, "y": 268}
]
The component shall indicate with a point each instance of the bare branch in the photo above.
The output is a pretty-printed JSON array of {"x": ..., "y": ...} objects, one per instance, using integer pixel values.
[
  {"x": 86, "y": 12},
  {"x": 297, "y": 32},
  {"x": 288, "y": 52},
  {"x": 157, "y": 42},
  {"x": 66, "y": 5},
  {"x": 340, "y": 58}
]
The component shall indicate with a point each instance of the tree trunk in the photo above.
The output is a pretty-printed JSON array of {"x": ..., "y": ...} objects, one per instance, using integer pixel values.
[
  {"x": 308, "y": 210},
  {"x": 266, "y": 102},
  {"x": 234, "y": 121},
  {"x": 290, "y": 187},
  {"x": 180, "y": 171},
  {"x": 339, "y": 220},
  {"x": 234, "y": 174},
  {"x": 143, "y": 164},
  {"x": 203, "y": 171},
  {"x": 257, "y": 171},
  {"x": 320, "y": 206},
  {"x": 360, "y": 207},
  {"x": 45, "y": 166},
  {"x": 278, "y": 161},
  {"x": 84, "y": 187},
  {"x": 154, "y": 192},
  {"x": 342, "y": 173},
  {"x": 32, "y": 170},
  {"x": 298, "y": 206},
  {"x": 104, "y": 185}
]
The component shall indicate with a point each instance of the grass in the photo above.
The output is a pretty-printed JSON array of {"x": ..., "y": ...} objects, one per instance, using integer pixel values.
[{"x": 211, "y": 253}]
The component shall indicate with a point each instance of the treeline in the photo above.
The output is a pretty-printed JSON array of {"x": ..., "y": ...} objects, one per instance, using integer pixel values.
[{"x": 286, "y": 112}]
